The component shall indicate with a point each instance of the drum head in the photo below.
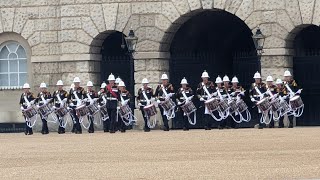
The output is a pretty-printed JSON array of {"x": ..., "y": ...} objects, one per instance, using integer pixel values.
[
  {"x": 210, "y": 100},
  {"x": 261, "y": 101},
  {"x": 149, "y": 106},
  {"x": 295, "y": 98}
]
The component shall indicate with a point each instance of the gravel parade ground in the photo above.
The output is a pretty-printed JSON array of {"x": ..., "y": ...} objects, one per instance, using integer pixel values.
[{"x": 195, "y": 154}]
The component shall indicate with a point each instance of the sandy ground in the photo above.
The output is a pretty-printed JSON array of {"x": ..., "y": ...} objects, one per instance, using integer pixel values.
[{"x": 197, "y": 154}]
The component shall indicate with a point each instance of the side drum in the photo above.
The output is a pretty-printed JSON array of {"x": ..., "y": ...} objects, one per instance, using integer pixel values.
[
  {"x": 296, "y": 102},
  {"x": 212, "y": 104},
  {"x": 188, "y": 108},
  {"x": 82, "y": 110},
  {"x": 150, "y": 110},
  {"x": 264, "y": 105}
]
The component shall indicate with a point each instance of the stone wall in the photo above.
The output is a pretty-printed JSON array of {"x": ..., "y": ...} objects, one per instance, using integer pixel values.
[{"x": 65, "y": 36}]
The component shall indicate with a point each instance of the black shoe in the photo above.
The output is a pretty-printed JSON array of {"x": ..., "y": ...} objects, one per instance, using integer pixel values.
[
  {"x": 105, "y": 130},
  {"x": 186, "y": 129},
  {"x": 260, "y": 127},
  {"x": 26, "y": 133},
  {"x": 111, "y": 132},
  {"x": 59, "y": 132},
  {"x": 123, "y": 131},
  {"x": 78, "y": 132},
  {"x": 30, "y": 133},
  {"x": 280, "y": 127},
  {"x": 220, "y": 127},
  {"x": 271, "y": 126},
  {"x": 146, "y": 130},
  {"x": 290, "y": 126},
  {"x": 90, "y": 131}
]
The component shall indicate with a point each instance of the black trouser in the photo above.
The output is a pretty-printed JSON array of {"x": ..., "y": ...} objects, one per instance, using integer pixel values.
[
  {"x": 45, "y": 128},
  {"x": 91, "y": 127},
  {"x": 112, "y": 112},
  {"x": 281, "y": 121},
  {"x": 106, "y": 124},
  {"x": 259, "y": 115},
  {"x": 61, "y": 123},
  {"x": 145, "y": 119},
  {"x": 76, "y": 125},
  {"x": 185, "y": 120},
  {"x": 121, "y": 126},
  {"x": 28, "y": 129},
  {"x": 290, "y": 120},
  {"x": 164, "y": 118},
  {"x": 231, "y": 123}
]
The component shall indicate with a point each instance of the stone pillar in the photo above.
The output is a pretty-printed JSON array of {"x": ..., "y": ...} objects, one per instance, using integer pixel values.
[{"x": 149, "y": 65}]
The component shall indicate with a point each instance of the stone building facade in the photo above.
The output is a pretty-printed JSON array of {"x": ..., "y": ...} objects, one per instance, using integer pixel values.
[{"x": 63, "y": 38}]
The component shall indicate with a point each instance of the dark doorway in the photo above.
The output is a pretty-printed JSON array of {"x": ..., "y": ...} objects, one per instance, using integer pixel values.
[
  {"x": 115, "y": 59},
  {"x": 306, "y": 66},
  {"x": 218, "y": 42}
]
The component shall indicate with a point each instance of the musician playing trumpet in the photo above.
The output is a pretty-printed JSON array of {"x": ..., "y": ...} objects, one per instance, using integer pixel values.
[
  {"x": 76, "y": 95},
  {"x": 184, "y": 95},
  {"x": 59, "y": 99},
  {"x": 26, "y": 100},
  {"x": 204, "y": 93},
  {"x": 164, "y": 90},
  {"x": 43, "y": 98}
]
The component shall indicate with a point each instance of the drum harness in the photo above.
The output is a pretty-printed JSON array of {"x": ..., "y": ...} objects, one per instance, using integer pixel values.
[
  {"x": 171, "y": 112},
  {"x": 148, "y": 118},
  {"x": 130, "y": 118},
  {"x": 187, "y": 100}
]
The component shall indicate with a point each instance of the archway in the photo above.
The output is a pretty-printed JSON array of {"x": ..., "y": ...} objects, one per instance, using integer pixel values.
[
  {"x": 216, "y": 41},
  {"x": 115, "y": 59},
  {"x": 306, "y": 65}
]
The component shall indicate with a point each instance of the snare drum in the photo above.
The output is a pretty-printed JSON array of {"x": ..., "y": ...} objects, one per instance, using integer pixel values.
[
  {"x": 223, "y": 105},
  {"x": 150, "y": 110},
  {"x": 61, "y": 112},
  {"x": 296, "y": 102},
  {"x": 276, "y": 105},
  {"x": 167, "y": 105},
  {"x": 104, "y": 111},
  {"x": 264, "y": 105},
  {"x": 45, "y": 110},
  {"x": 188, "y": 108},
  {"x": 233, "y": 106},
  {"x": 212, "y": 104},
  {"x": 82, "y": 110},
  {"x": 30, "y": 112},
  {"x": 93, "y": 108},
  {"x": 124, "y": 111},
  {"x": 242, "y": 106}
]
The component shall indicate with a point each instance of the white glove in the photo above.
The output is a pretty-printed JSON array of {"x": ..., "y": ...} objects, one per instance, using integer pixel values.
[
  {"x": 179, "y": 103},
  {"x": 21, "y": 108},
  {"x": 299, "y": 91},
  {"x": 233, "y": 93},
  {"x": 158, "y": 101},
  {"x": 201, "y": 99},
  {"x": 71, "y": 104},
  {"x": 152, "y": 99},
  {"x": 187, "y": 100},
  {"x": 224, "y": 95},
  {"x": 118, "y": 107},
  {"x": 123, "y": 103},
  {"x": 215, "y": 94},
  {"x": 253, "y": 100},
  {"x": 139, "y": 104}
]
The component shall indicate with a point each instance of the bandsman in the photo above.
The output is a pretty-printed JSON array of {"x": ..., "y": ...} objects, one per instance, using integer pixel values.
[
  {"x": 63, "y": 95},
  {"x": 125, "y": 100},
  {"x": 93, "y": 95},
  {"x": 273, "y": 91},
  {"x": 147, "y": 91},
  {"x": 44, "y": 96},
  {"x": 26, "y": 100},
  {"x": 288, "y": 80},
  {"x": 281, "y": 90},
  {"x": 112, "y": 94}
]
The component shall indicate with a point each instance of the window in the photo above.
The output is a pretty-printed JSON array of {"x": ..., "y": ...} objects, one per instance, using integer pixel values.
[{"x": 13, "y": 65}]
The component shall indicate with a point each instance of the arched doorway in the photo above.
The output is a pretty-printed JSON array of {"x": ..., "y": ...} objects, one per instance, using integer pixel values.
[
  {"x": 306, "y": 66},
  {"x": 115, "y": 59},
  {"x": 218, "y": 42}
]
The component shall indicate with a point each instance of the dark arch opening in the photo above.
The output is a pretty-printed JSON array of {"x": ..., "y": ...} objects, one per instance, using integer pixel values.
[
  {"x": 115, "y": 59},
  {"x": 216, "y": 41},
  {"x": 306, "y": 66}
]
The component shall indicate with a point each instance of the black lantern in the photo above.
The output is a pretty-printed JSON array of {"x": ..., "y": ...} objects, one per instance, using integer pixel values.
[
  {"x": 131, "y": 41},
  {"x": 258, "y": 40}
]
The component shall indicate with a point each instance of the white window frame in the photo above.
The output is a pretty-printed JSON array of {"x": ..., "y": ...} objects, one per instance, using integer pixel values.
[{"x": 18, "y": 65}]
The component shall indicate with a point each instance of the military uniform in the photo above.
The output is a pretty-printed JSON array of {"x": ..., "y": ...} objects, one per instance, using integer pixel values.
[
  {"x": 93, "y": 95},
  {"x": 46, "y": 95},
  {"x": 181, "y": 100},
  {"x": 30, "y": 97},
  {"x": 106, "y": 122},
  {"x": 273, "y": 89},
  {"x": 112, "y": 96},
  {"x": 294, "y": 87},
  {"x": 161, "y": 96},
  {"x": 255, "y": 95},
  {"x": 125, "y": 96},
  {"x": 203, "y": 95},
  {"x": 228, "y": 91},
  {"x": 72, "y": 99},
  {"x": 141, "y": 99},
  {"x": 223, "y": 91},
  {"x": 63, "y": 95},
  {"x": 281, "y": 92}
]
